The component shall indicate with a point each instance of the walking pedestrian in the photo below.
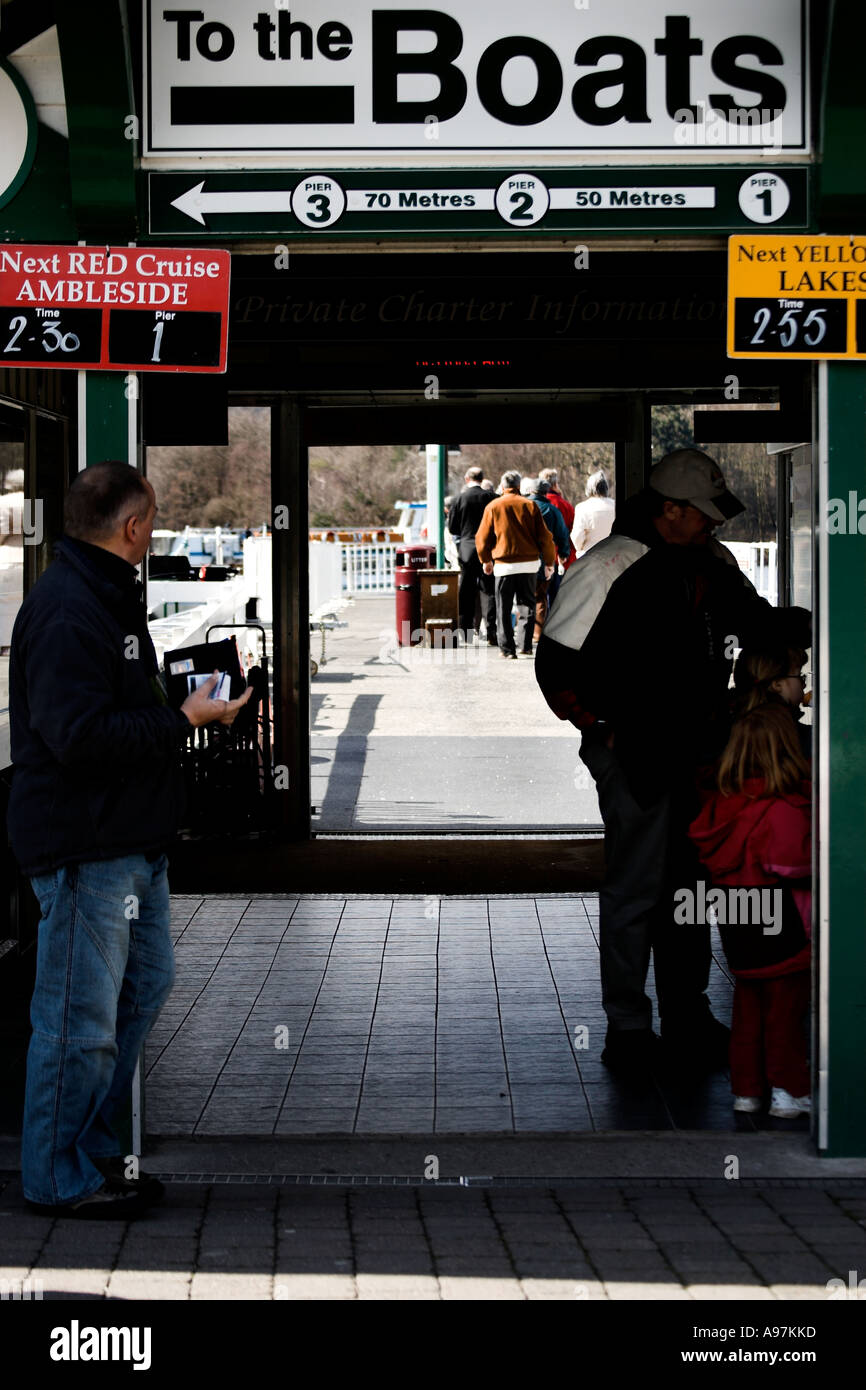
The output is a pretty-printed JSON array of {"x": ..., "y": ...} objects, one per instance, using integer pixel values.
[
  {"x": 464, "y": 518},
  {"x": 593, "y": 518},
  {"x": 546, "y": 589},
  {"x": 510, "y": 541},
  {"x": 550, "y": 476}
]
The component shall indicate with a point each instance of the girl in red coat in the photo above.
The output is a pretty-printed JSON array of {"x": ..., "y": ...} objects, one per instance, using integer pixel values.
[{"x": 755, "y": 830}]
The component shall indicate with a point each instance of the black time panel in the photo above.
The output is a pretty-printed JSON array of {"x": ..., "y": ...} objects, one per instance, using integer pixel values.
[
  {"x": 860, "y": 325},
  {"x": 57, "y": 338},
  {"x": 164, "y": 338},
  {"x": 791, "y": 325}
]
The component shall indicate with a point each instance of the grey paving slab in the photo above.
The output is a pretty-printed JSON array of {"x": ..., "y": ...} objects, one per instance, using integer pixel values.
[{"x": 465, "y": 1030}]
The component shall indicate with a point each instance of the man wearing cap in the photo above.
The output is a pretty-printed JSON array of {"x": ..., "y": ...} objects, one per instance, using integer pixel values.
[{"x": 637, "y": 653}]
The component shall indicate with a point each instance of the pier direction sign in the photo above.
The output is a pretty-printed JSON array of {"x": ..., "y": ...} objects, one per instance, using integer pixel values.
[{"x": 405, "y": 203}]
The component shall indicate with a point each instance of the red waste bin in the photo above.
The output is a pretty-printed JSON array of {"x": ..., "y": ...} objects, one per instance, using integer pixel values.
[
  {"x": 421, "y": 557},
  {"x": 407, "y": 584},
  {"x": 408, "y": 561}
]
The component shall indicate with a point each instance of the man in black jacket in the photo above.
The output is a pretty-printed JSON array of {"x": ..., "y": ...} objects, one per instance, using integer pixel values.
[
  {"x": 96, "y": 797},
  {"x": 464, "y": 518},
  {"x": 636, "y": 653}
]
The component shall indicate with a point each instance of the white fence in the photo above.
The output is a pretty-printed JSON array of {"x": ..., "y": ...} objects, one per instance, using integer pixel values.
[
  {"x": 211, "y": 604},
  {"x": 349, "y": 568},
  {"x": 368, "y": 567},
  {"x": 257, "y": 573},
  {"x": 757, "y": 560}
]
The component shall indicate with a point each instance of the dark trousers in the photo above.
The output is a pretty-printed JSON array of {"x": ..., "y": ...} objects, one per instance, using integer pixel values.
[
  {"x": 510, "y": 588},
  {"x": 488, "y": 605},
  {"x": 467, "y": 591},
  {"x": 647, "y": 857},
  {"x": 768, "y": 1038},
  {"x": 473, "y": 581},
  {"x": 542, "y": 601}
]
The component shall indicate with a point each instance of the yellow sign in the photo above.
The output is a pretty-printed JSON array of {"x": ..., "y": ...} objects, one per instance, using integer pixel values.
[{"x": 797, "y": 296}]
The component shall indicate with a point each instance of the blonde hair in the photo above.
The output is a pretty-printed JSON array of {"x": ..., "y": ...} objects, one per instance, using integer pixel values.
[
  {"x": 757, "y": 669},
  {"x": 763, "y": 743}
]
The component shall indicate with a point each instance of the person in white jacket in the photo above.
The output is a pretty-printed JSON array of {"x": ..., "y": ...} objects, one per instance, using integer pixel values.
[{"x": 594, "y": 517}]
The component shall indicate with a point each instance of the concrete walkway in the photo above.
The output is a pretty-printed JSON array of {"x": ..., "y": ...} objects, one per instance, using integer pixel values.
[{"x": 419, "y": 738}]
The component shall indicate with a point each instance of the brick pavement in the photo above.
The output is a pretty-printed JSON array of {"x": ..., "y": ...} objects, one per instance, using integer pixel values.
[{"x": 629, "y": 1240}]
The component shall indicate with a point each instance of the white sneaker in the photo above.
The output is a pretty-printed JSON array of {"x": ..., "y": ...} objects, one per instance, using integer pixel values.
[
  {"x": 747, "y": 1103},
  {"x": 784, "y": 1106}
]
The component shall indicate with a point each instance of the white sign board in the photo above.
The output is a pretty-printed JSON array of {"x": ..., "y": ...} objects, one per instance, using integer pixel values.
[
  {"x": 356, "y": 77},
  {"x": 18, "y": 125}
]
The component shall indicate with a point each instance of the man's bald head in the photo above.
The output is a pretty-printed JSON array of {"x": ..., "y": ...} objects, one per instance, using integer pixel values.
[{"x": 102, "y": 498}]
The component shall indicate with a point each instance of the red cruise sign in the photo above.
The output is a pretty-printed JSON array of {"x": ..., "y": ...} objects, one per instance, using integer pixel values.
[{"x": 116, "y": 308}]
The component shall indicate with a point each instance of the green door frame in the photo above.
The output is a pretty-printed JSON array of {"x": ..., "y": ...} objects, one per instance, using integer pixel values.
[
  {"x": 841, "y": 765},
  {"x": 841, "y": 615},
  {"x": 102, "y": 176}
]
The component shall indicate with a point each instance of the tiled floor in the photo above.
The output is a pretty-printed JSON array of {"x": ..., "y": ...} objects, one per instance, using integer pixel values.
[{"x": 309, "y": 1015}]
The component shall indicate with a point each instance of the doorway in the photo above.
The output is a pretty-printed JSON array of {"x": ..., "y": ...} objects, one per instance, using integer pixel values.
[{"x": 407, "y": 959}]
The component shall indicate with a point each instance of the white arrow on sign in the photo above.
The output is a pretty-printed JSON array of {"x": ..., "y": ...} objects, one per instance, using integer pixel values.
[{"x": 195, "y": 203}]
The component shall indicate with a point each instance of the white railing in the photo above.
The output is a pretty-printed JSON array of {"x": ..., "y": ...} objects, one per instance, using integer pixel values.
[
  {"x": 216, "y": 603},
  {"x": 368, "y": 567},
  {"x": 757, "y": 560}
]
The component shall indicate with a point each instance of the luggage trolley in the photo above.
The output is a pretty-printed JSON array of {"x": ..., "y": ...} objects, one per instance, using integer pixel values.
[{"x": 228, "y": 773}]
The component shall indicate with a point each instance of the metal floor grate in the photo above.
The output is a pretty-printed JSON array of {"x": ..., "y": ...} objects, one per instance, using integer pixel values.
[{"x": 474, "y": 1180}]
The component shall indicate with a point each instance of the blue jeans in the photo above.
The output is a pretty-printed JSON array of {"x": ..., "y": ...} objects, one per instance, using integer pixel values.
[{"x": 105, "y": 965}]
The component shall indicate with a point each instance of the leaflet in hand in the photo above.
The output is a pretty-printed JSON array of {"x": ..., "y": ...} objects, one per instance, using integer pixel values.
[{"x": 221, "y": 689}]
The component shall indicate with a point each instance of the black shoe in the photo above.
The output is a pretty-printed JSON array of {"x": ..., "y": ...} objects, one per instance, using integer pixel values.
[
  {"x": 698, "y": 1047},
  {"x": 148, "y": 1187},
  {"x": 510, "y": 656},
  {"x": 631, "y": 1053},
  {"x": 107, "y": 1203}
]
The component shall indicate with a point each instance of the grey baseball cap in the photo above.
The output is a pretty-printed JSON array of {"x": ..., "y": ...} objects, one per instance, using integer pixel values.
[{"x": 688, "y": 475}]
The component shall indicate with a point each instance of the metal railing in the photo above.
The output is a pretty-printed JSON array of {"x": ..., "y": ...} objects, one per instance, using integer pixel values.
[
  {"x": 368, "y": 567},
  {"x": 757, "y": 560}
]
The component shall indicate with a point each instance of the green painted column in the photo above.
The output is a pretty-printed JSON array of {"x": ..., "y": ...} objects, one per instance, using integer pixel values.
[
  {"x": 841, "y": 760},
  {"x": 439, "y": 534},
  {"x": 437, "y": 466},
  {"x": 107, "y": 406}
]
